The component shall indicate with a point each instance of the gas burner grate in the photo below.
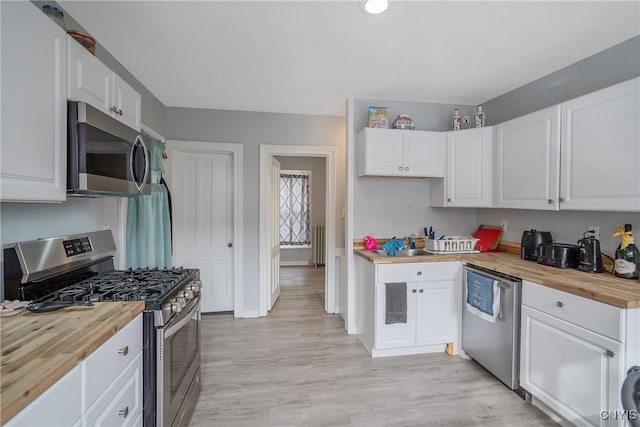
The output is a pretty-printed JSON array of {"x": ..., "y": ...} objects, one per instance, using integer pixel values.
[{"x": 128, "y": 285}]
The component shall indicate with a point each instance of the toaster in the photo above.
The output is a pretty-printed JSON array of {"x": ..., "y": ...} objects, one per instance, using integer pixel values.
[
  {"x": 531, "y": 239},
  {"x": 561, "y": 255}
]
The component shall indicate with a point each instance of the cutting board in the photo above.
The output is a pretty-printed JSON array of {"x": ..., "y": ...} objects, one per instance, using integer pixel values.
[{"x": 489, "y": 236}]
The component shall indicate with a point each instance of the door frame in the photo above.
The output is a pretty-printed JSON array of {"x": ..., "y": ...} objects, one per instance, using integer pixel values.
[
  {"x": 235, "y": 150},
  {"x": 329, "y": 153}
]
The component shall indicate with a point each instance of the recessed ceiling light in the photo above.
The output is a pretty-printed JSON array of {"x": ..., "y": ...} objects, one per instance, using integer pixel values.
[{"x": 375, "y": 7}]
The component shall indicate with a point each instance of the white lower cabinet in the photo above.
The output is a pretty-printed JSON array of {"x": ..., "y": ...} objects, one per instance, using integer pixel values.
[
  {"x": 103, "y": 390},
  {"x": 59, "y": 406},
  {"x": 572, "y": 360},
  {"x": 431, "y": 307}
]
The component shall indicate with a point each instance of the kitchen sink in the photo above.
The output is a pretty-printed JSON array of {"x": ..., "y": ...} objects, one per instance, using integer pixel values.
[{"x": 405, "y": 253}]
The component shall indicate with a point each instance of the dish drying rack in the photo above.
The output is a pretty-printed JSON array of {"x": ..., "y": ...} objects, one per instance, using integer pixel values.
[{"x": 452, "y": 245}]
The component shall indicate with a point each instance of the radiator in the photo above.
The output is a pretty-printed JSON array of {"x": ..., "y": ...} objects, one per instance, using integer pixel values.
[{"x": 318, "y": 246}]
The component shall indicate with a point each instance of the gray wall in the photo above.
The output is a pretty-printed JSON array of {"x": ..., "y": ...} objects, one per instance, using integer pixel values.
[
  {"x": 614, "y": 65},
  {"x": 611, "y": 66},
  {"x": 317, "y": 166},
  {"x": 386, "y": 207},
  {"x": 252, "y": 129}
]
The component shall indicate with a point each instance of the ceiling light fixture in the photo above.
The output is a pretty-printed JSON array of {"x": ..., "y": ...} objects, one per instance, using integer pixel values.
[{"x": 375, "y": 7}]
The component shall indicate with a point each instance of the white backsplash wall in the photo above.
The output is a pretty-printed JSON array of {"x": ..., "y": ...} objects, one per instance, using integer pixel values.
[
  {"x": 565, "y": 226},
  {"x": 390, "y": 207}
]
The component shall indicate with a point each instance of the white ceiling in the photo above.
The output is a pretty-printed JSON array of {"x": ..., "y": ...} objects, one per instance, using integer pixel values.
[{"x": 309, "y": 56}]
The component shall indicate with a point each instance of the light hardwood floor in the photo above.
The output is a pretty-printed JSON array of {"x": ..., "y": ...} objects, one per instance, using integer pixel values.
[{"x": 297, "y": 367}]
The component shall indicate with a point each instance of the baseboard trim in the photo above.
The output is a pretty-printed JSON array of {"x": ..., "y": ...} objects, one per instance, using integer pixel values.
[
  {"x": 294, "y": 263},
  {"x": 250, "y": 314}
]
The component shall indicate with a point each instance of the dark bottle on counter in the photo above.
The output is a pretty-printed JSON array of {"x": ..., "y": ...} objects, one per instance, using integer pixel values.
[{"x": 627, "y": 262}]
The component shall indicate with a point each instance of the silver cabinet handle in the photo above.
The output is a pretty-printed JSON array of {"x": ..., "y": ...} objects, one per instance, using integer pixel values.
[
  {"x": 124, "y": 350},
  {"x": 413, "y": 291},
  {"x": 561, "y": 199},
  {"x": 419, "y": 273},
  {"x": 113, "y": 109},
  {"x": 230, "y": 245},
  {"x": 448, "y": 199},
  {"x": 399, "y": 168},
  {"x": 560, "y": 304},
  {"x": 550, "y": 201},
  {"x": 124, "y": 412},
  {"x": 610, "y": 353},
  {"x": 421, "y": 290},
  {"x": 119, "y": 112},
  {"x": 406, "y": 168}
]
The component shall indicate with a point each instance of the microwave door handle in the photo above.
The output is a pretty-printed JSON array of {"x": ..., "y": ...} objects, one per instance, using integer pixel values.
[{"x": 138, "y": 142}]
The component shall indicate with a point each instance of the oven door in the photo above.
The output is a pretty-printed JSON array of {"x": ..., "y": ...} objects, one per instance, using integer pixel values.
[{"x": 178, "y": 363}]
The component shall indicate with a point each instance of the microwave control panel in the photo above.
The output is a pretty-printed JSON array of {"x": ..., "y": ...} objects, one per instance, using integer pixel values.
[{"x": 77, "y": 246}]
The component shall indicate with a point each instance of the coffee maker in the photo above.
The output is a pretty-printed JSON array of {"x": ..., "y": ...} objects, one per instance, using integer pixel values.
[{"x": 589, "y": 257}]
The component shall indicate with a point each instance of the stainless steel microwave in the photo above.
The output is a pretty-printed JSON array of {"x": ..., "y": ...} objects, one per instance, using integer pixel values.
[{"x": 104, "y": 156}]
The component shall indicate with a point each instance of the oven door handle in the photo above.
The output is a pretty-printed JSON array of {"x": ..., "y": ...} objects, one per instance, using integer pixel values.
[{"x": 173, "y": 329}]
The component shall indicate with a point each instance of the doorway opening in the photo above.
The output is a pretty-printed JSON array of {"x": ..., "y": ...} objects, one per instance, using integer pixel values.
[{"x": 296, "y": 157}]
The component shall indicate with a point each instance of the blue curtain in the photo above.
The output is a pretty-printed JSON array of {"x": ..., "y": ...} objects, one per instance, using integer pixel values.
[{"x": 148, "y": 222}]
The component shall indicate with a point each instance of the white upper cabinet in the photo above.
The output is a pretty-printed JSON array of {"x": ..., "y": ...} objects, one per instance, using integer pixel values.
[
  {"x": 468, "y": 176},
  {"x": 601, "y": 150},
  {"x": 94, "y": 83},
  {"x": 394, "y": 152},
  {"x": 528, "y": 161},
  {"x": 34, "y": 94}
]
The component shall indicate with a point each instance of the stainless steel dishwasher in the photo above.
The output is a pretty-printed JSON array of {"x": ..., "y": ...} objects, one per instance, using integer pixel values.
[{"x": 495, "y": 346}]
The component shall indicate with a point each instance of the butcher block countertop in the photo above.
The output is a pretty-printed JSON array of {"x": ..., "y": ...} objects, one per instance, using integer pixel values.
[
  {"x": 603, "y": 287},
  {"x": 37, "y": 349}
]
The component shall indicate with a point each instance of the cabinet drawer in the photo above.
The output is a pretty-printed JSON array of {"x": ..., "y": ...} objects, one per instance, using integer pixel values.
[
  {"x": 593, "y": 315},
  {"x": 103, "y": 365},
  {"x": 417, "y": 272},
  {"x": 121, "y": 403}
]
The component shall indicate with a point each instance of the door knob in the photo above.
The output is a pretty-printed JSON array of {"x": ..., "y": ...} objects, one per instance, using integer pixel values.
[{"x": 230, "y": 244}]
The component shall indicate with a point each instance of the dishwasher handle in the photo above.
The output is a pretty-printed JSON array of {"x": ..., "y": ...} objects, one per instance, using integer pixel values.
[{"x": 506, "y": 281}]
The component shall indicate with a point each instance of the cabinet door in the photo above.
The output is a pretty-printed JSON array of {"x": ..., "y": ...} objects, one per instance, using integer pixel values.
[
  {"x": 90, "y": 80},
  {"x": 60, "y": 405},
  {"x": 127, "y": 102},
  {"x": 601, "y": 150},
  {"x": 121, "y": 403},
  {"x": 423, "y": 153},
  {"x": 395, "y": 335},
  {"x": 528, "y": 161},
  {"x": 434, "y": 313},
  {"x": 469, "y": 162},
  {"x": 379, "y": 152},
  {"x": 34, "y": 105},
  {"x": 572, "y": 370}
]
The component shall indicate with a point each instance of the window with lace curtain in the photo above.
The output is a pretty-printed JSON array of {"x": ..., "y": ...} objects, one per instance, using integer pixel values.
[{"x": 295, "y": 209}]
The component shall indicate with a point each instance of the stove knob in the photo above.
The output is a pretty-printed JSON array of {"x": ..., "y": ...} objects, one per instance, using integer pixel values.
[
  {"x": 188, "y": 294},
  {"x": 180, "y": 294},
  {"x": 196, "y": 286},
  {"x": 182, "y": 301},
  {"x": 176, "y": 306}
]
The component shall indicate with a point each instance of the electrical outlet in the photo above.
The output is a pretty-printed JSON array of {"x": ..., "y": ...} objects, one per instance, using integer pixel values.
[
  {"x": 503, "y": 224},
  {"x": 594, "y": 230}
]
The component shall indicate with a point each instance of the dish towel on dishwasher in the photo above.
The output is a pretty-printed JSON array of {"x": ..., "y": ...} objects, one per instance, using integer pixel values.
[
  {"x": 483, "y": 296},
  {"x": 396, "y": 303}
]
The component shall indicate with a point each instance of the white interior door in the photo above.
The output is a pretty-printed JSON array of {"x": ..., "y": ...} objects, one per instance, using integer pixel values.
[
  {"x": 202, "y": 202},
  {"x": 274, "y": 231}
]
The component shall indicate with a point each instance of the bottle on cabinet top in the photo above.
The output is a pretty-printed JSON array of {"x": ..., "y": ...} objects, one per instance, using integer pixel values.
[
  {"x": 456, "y": 119},
  {"x": 479, "y": 117}
]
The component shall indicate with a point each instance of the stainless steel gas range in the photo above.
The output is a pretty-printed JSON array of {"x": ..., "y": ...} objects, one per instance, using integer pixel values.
[{"x": 79, "y": 270}]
